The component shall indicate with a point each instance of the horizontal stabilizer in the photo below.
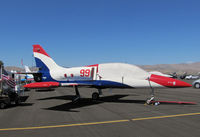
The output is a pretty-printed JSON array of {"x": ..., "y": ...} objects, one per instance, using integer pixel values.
[{"x": 174, "y": 102}]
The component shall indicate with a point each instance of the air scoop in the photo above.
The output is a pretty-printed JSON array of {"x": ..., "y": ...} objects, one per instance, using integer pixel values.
[{"x": 168, "y": 82}]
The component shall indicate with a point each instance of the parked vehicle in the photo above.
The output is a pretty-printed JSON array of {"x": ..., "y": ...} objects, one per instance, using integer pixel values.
[
  {"x": 8, "y": 94},
  {"x": 173, "y": 75},
  {"x": 196, "y": 83},
  {"x": 191, "y": 77},
  {"x": 183, "y": 76}
]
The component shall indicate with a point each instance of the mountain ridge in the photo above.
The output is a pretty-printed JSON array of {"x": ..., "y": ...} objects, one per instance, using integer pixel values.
[{"x": 190, "y": 68}]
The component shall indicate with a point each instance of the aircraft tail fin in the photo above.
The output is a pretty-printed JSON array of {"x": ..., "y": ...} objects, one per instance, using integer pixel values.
[
  {"x": 27, "y": 68},
  {"x": 43, "y": 61}
]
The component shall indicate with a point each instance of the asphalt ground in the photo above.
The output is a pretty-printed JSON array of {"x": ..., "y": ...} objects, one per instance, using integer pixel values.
[{"x": 119, "y": 113}]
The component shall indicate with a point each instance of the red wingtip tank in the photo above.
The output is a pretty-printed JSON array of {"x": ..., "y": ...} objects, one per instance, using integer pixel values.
[
  {"x": 168, "y": 82},
  {"x": 42, "y": 85}
]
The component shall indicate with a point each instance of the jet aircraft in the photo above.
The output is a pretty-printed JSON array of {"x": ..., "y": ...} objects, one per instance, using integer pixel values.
[
  {"x": 99, "y": 76},
  {"x": 29, "y": 77}
]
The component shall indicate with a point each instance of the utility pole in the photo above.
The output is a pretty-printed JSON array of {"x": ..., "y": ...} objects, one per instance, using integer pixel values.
[{"x": 1, "y": 79}]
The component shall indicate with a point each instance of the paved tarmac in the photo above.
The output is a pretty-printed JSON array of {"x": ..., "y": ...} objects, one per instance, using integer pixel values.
[{"x": 119, "y": 113}]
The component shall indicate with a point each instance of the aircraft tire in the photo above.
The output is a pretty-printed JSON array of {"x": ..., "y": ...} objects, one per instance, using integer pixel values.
[
  {"x": 95, "y": 96},
  {"x": 2, "y": 105},
  {"x": 197, "y": 85},
  {"x": 17, "y": 101}
]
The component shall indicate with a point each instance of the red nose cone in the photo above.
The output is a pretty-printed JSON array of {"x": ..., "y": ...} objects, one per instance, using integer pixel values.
[
  {"x": 168, "y": 82},
  {"x": 42, "y": 85}
]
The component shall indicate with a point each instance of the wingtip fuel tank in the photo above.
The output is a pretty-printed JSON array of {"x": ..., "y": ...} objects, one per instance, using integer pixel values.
[{"x": 42, "y": 85}]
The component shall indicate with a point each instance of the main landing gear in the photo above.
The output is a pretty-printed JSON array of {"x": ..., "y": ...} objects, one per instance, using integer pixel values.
[
  {"x": 77, "y": 98},
  {"x": 95, "y": 95}
]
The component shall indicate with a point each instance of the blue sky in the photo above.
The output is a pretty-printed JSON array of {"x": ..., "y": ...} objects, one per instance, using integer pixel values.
[{"x": 83, "y": 32}]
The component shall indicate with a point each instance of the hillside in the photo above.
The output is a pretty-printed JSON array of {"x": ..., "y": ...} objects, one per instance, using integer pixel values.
[
  {"x": 191, "y": 68},
  {"x": 9, "y": 68}
]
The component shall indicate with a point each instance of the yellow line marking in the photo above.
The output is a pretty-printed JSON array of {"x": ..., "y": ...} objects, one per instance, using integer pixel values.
[
  {"x": 98, "y": 123},
  {"x": 168, "y": 116},
  {"x": 67, "y": 125}
]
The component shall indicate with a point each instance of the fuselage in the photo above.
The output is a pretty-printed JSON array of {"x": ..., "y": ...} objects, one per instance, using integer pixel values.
[
  {"x": 107, "y": 75},
  {"x": 115, "y": 75}
]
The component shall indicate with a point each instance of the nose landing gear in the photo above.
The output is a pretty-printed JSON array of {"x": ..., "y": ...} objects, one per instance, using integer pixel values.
[{"x": 149, "y": 100}]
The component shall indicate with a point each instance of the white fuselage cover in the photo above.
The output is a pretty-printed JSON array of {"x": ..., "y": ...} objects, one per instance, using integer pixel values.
[
  {"x": 130, "y": 75},
  {"x": 127, "y": 74}
]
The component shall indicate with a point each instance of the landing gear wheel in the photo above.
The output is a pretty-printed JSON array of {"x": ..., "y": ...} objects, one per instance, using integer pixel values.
[
  {"x": 2, "y": 105},
  {"x": 76, "y": 99},
  {"x": 197, "y": 85},
  {"x": 17, "y": 101},
  {"x": 95, "y": 96},
  {"x": 149, "y": 100}
]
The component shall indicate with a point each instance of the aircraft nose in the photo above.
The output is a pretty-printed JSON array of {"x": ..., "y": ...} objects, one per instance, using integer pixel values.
[{"x": 168, "y": 82}]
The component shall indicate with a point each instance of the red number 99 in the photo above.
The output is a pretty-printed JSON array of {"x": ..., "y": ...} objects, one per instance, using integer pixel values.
[
  {"x": 87, "y": 72},
  {"x": 82, "y": 72}
]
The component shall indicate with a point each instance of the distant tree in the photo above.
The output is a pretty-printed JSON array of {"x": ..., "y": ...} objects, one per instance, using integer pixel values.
[{"x": 1, "y": 63}]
